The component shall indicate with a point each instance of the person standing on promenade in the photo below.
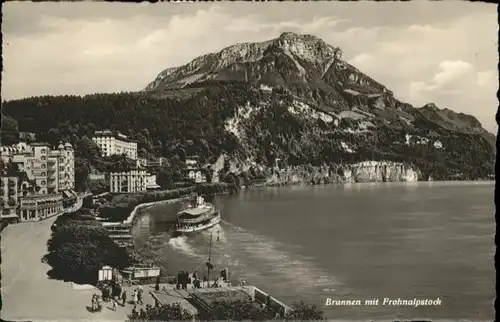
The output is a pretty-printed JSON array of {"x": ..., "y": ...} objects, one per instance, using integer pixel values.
[
  {"x": 139, "y": 296},
  {"x": 99, "y": 303},
  {"x": 134, "y": 297},
  {"x": 118, "y": 291},
  {"x": 93, "y": 302},
  {"x": 124, "y": 297},
  {"x": 157, "y": 285}
]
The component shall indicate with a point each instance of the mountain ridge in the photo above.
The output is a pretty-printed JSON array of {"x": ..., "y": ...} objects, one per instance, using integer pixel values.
[{"x": 291, "y": 100}]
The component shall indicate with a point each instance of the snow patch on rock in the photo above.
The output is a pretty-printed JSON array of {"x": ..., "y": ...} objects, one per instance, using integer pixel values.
[
  {"x": 299, "y": 108},
  {"x": 351, "y": 115},
  {"x": 243, "y": 113},
  {"x": 346, "y": 147},
  {"x": 191, "y": 79},
  {"x": 415, "y": 139},
  {"x": 266, "y": 88}
]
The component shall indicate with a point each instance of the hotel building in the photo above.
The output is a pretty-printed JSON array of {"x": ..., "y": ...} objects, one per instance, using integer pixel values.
[
  {"x": 197, "y": 176},
  {"x": 53, "y": 170},
  {"x": 10, "y": 196},
  {"x": 131, "y": 181},
  {"x": 38, "y": 207},
  {"x": 115, "y": 143}
]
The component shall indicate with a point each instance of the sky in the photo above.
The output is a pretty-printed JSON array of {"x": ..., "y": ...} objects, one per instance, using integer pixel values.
[{"x": 441, "y": 52}]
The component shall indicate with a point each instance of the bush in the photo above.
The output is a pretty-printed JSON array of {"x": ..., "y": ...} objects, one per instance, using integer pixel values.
[
  {"x": 235, "y": 311},
  {"x": 302, "y": 311},
  {"x": 79, "y": 248},
  {"x": 169, "y": 312},
  {"x": 226, "y": 311}
]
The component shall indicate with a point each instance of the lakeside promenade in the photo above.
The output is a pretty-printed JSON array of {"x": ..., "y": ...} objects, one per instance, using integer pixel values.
[{"x": 27, "y": 291}]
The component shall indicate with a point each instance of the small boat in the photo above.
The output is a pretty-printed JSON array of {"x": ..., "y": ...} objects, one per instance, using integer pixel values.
[{"x": 196, "y": 219}]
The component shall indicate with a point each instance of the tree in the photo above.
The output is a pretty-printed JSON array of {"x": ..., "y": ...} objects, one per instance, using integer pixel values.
[
  {"x": 302, "y": 311},
  {"x": 165, "y": 176},
  {"x": 10, "y": 130},
  {"x": 235, "y": 311},
  {"x": 98, "y": 186},
  {"x": 201, "y": 116},
  {"x": 79, "y": 248},
  {"x": 88, "y": 149},
  {"x": 168, "y": 312},
  {"x": 82, "y": 170},
  {"x": 181, "y": 152},
  {"x": 238, "y": 310}
]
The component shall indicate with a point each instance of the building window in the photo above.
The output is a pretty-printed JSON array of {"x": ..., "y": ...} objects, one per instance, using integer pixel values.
[
  {"x": 43, "y": 182},
  {"x": 43, "y": 151},
  {"x": 43, "y": 174},
  {"x": 43, "y": 166},
  {"x": 43, "y": 157}
]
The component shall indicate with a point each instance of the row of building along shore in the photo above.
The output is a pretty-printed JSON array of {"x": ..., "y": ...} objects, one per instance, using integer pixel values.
[
  {"x": 140, "y": 178},
  {"x": 38, "y": 180}
]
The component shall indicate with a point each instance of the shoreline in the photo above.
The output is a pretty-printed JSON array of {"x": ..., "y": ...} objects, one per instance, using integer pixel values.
[
  {"x": 303, "y": 183},
  {"x": 131, "y": 218}
]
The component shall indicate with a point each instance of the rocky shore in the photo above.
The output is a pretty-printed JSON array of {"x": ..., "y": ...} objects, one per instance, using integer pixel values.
[{"x": 368, "y": 171}]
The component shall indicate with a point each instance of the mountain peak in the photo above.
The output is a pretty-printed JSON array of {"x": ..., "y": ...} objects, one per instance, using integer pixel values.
[
  {"x": 295, "y": 36},
  {"x": 287, "y": 59},
  {"x": 288, "y": 34}
]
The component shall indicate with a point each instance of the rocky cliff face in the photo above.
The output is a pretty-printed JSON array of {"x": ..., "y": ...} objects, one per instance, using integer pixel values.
[
  {"x": 373, "y": 171},
  {"x": 367, "y": 171}
]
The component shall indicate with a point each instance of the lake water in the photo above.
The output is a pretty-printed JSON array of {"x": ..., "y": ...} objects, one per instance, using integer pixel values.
[{"x": 350, "y": 242}]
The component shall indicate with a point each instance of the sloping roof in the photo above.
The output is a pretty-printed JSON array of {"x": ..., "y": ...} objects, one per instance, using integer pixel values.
[
  {"x": 41, "y": 196},
  {"x": 40, "y": 144},
  {"x": 9, "y": 216}
]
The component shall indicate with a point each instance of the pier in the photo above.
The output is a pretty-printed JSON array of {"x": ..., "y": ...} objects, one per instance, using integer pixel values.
[{"x": 120, "y": 233}]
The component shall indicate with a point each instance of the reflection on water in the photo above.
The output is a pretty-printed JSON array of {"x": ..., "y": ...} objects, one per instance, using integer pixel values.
[{"x": 357, "y": 241}]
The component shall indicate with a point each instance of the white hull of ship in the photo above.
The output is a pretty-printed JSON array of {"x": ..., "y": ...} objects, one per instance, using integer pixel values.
[{"x": 197, "y": 229}]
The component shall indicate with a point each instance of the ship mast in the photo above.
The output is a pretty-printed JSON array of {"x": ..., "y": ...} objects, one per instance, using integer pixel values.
[{"x": 209, "y": 264}]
